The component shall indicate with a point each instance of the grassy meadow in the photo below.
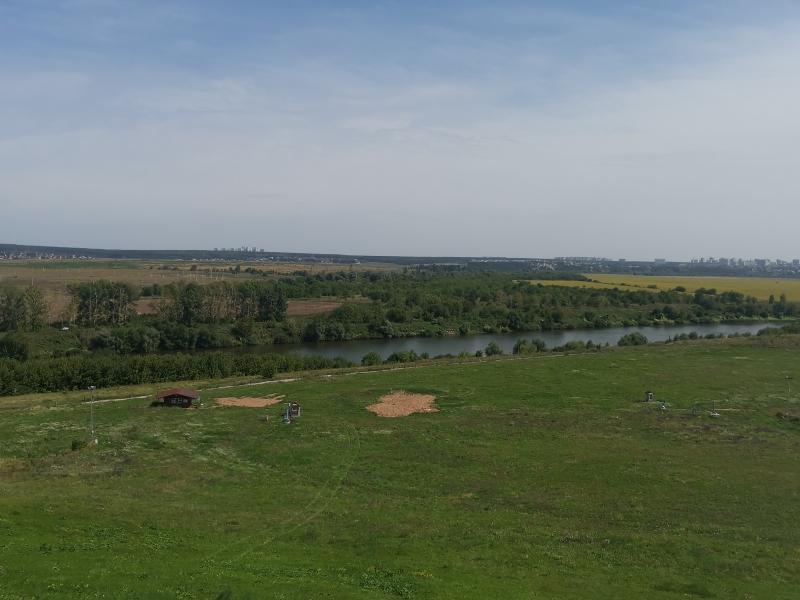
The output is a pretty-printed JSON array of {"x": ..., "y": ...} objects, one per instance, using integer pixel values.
[
  {"x": 758, "y": 287},
  {"x": 539, "y": 478}
]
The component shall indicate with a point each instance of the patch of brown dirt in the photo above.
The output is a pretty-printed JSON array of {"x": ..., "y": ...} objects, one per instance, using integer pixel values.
[
  {"x": 147, "y": 306},
  {"x": 303, "y": 308},
  {"x": 250, "y": 402},
  {"x": 402, "y": 404}
]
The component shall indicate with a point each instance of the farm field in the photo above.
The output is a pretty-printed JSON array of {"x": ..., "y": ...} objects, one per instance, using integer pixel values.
[
  {"x": 530, "y": 478},
  {"x": 53, "y": 277},
  {"x": 759, "y": 287},
  {"x": 305, "y": 307}
]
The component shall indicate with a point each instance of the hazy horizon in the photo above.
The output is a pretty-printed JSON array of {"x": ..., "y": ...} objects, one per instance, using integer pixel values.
[
  {"x": 383, "y": 128},
  {"x": 267, "y": 251}
]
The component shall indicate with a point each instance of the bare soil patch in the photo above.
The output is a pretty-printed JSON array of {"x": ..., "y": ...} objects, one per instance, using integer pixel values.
[
  {"x": 147, "y": 306},
  {"x": 303, "y": 308},
  {"x": 402, "y": 404},
  {"x": 250, "y": 402}
]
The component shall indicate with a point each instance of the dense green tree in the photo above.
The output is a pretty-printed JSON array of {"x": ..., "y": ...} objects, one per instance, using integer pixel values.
[
  {"x": 25, "y": 311},
  {"x": 35, "y": 309},
  {"x": 102, "y": 302},
  {"x": 524, "y": 346},
  {"x": 492, "y": 349},
  {"x": 371, "y": 359},
  {"x": 632, "y": 339}
]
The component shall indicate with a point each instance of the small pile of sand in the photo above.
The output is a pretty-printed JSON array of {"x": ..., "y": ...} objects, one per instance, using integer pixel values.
[
  {"x": 402, "y": 404},
  {"x": 250, "y": 402}
]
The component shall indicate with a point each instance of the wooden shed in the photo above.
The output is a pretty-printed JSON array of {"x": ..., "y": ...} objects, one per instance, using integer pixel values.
[{"x": 183, "y": 397}]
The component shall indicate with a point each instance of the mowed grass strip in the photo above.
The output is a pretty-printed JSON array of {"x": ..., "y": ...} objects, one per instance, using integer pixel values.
[
  {"x": 758, "y": 287},
  {"x": 536, "y": 478}
]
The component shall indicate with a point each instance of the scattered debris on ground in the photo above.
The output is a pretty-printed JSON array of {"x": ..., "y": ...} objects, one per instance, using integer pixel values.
[{"x": 402, "y": 404}]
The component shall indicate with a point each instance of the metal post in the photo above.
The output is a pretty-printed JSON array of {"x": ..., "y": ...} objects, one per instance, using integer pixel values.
[{"x": 93, "y": 436}]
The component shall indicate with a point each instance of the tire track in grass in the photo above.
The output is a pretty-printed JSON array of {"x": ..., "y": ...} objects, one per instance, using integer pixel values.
[
  {"x": 334, "y": 492},
  {"x": 313, "y": 509}
]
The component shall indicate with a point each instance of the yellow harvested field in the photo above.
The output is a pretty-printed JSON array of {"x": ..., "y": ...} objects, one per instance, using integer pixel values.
[
  {"x": 760, "y": 287},
  {"x": 573, "y": 283}
]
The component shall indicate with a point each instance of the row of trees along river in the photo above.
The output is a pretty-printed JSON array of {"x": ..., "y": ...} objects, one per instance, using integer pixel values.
[{"x": 102, "y": 319}]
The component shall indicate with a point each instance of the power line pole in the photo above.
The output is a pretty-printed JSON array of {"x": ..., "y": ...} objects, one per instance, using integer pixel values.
[{"x": 92, "y": 435}]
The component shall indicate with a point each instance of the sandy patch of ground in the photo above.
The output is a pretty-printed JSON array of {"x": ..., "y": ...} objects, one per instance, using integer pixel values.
[
  {"x": 250, "y": 402},
  {"x": 402, "y": 404}
]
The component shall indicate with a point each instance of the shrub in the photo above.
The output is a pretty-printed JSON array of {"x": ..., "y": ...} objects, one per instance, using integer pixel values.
[
  {"x": 371, "y": 359},
  {"x": 402, "y": 357},
  {"x": 529, "y": 346},
  {"x": 492, "y": 349},
  {"x": 16, "y": 349},
  {"x": 632, "y": 339}
]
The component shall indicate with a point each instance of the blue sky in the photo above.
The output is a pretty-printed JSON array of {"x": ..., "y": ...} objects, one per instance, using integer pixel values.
[{"x": 635, "y": 129}]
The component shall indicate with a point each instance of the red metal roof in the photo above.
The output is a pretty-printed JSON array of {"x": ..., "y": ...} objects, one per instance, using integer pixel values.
[{"x": 184, "y": 392}]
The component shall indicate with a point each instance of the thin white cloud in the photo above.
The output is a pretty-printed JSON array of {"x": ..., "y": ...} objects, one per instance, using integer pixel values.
[{"x": 315, "y": 155}]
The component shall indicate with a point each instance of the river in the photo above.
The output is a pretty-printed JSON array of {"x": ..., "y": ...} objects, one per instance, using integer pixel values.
[{"x": 353, "y": 350}]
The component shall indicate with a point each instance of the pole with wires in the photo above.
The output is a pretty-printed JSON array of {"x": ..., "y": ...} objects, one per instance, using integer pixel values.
[{"x": 92, "y": 434}]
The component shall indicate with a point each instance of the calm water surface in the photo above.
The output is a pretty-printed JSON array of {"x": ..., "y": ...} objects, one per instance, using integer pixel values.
[{"x": 353, "y": 350}]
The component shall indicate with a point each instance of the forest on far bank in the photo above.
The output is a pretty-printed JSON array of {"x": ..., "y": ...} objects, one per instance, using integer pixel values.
[{"x": 101, "y": 318}]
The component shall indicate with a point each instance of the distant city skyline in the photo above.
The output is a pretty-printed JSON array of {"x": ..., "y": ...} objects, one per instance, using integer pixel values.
[
  {"x": 386, "y": 128},
  {"x": 10, "y": 252}
]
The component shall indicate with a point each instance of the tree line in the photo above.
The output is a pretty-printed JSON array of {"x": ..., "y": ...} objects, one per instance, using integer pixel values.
[
  {"x": 24, "y": 310},
  {"x": 222, "y": 301},
  {"x": 79, "y": 372},
  {"x": 375, "y": 305}
]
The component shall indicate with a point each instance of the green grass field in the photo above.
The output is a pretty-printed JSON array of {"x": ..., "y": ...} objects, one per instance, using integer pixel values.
[
  {"x": 758, "y": 287},
  {"x": 538, "y": 478}
]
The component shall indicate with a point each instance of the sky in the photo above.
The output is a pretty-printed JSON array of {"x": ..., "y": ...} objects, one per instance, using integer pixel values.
[{"x": 636, "y": 129}]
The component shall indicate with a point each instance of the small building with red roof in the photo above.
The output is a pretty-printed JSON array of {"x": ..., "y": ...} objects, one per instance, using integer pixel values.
[{"x": 183, "y": 397}]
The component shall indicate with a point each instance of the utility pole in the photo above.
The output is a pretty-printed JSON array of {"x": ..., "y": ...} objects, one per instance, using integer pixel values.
[{"x": 93, "y": 435}]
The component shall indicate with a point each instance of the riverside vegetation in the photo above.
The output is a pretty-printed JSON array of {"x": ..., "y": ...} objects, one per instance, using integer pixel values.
[{"x": 108, "y": 344}]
